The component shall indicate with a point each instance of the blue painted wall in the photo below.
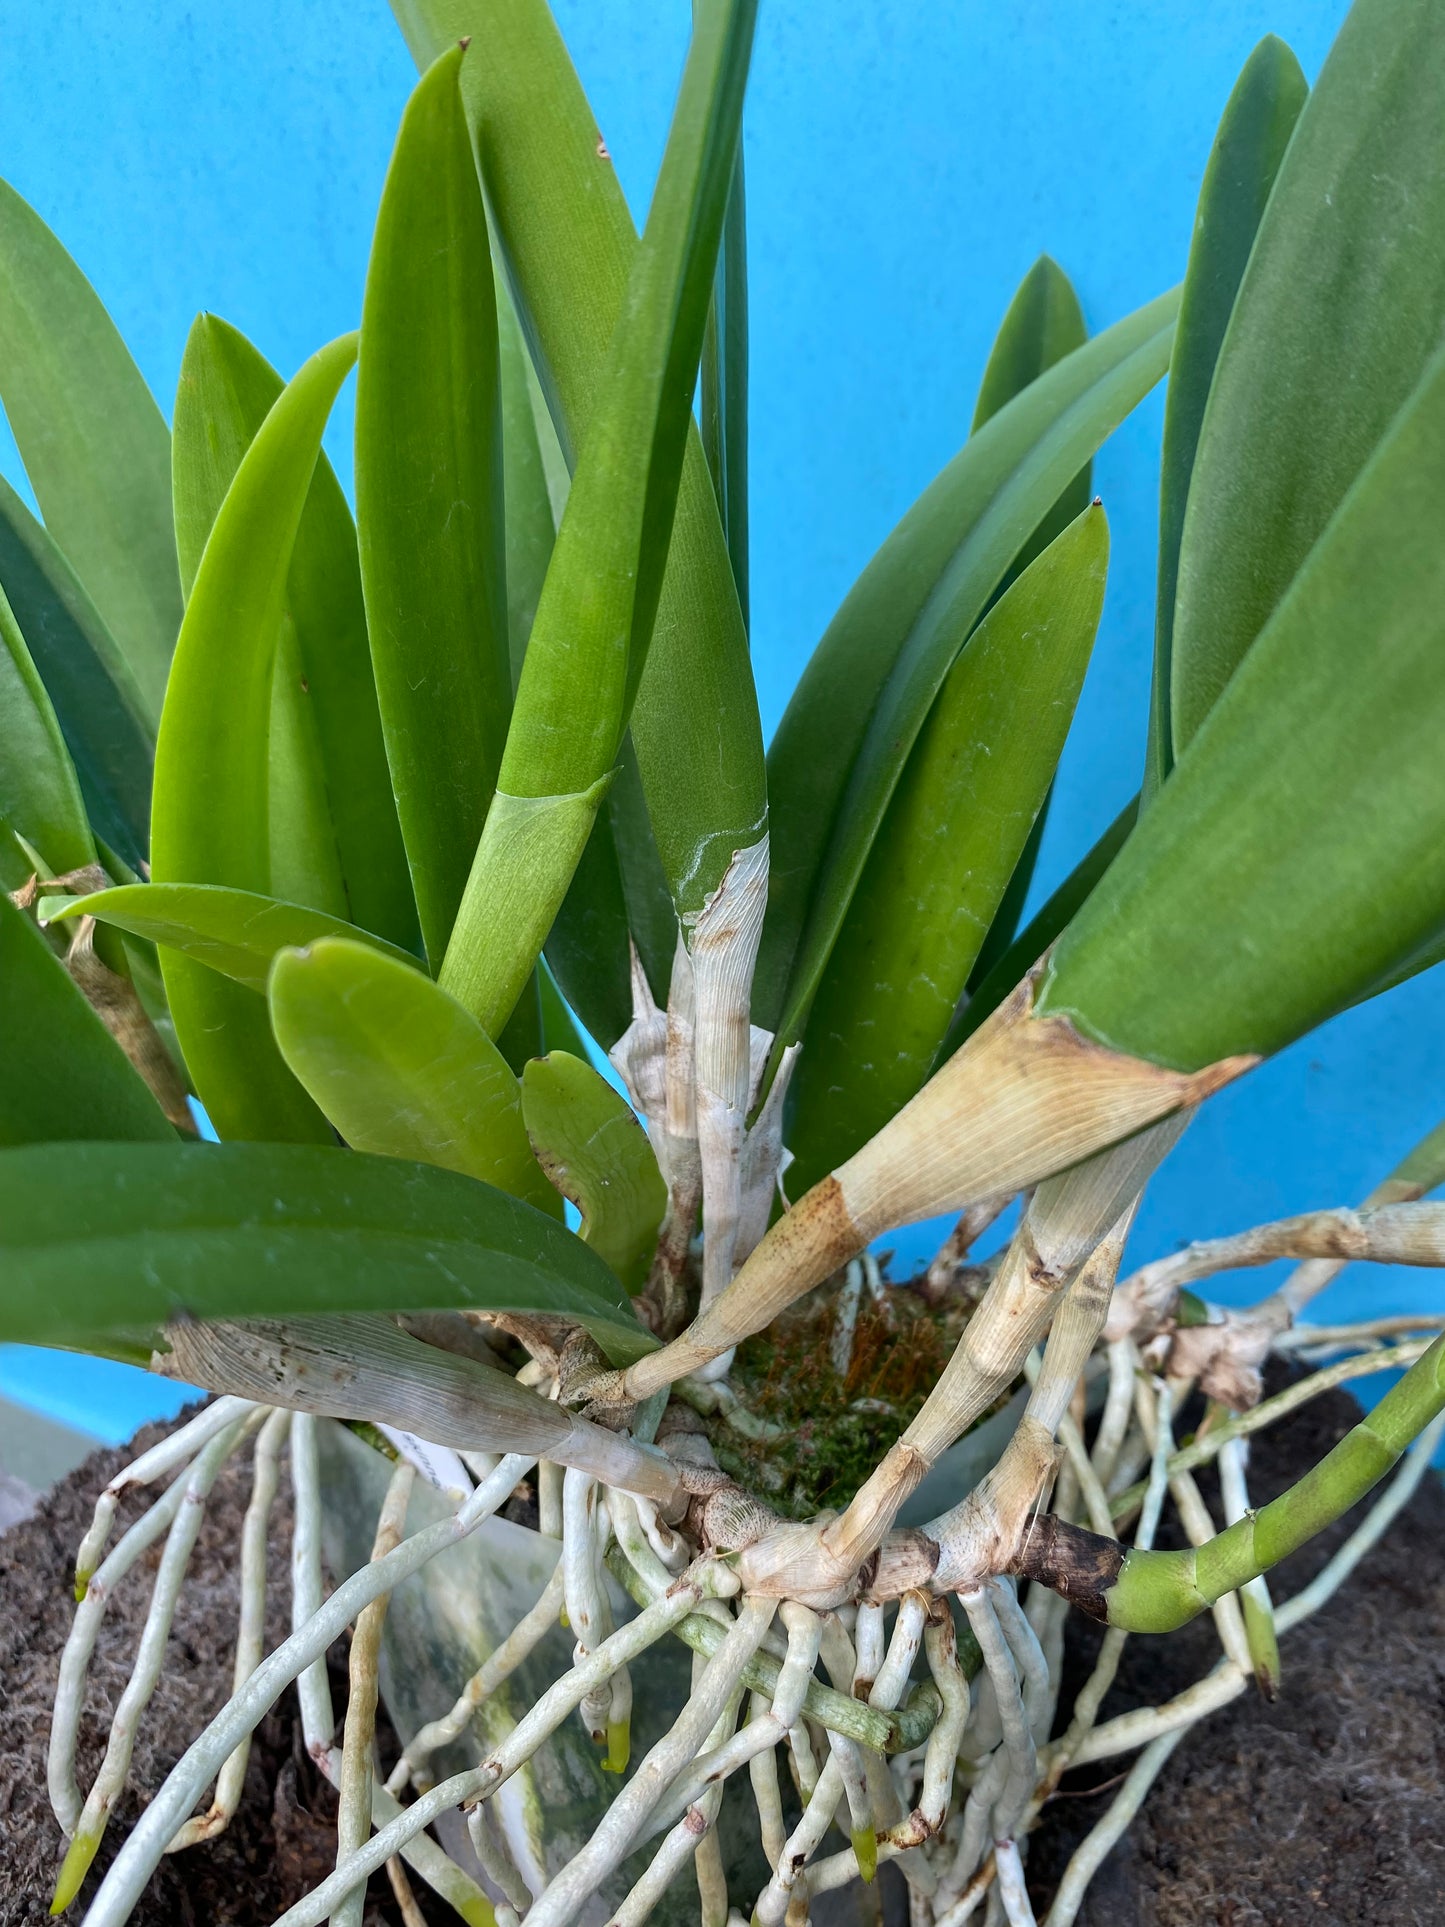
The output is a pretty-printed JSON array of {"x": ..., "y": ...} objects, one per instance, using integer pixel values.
[{"x": 906, "y": 165}]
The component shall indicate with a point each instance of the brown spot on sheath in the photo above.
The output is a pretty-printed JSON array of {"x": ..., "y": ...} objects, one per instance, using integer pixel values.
[{"x": 1080, "y": 1566}]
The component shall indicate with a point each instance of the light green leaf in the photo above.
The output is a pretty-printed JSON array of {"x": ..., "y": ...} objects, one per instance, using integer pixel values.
[
  {"x": 954, "y": 831},
  {"x": 595, "y": 618},
  {"x": 1341, "y": 307},
  {"x": 401, "y": 1069},
  {"x": 62, "y": 1074},
  {"x": 875, "y": 674},
  {"x": 212, "y": 789},
  {"x": 724, "y": 410},
  {"x": 594, "y": 1150},
  {"x": 530, "y": 521},
  {"x": 559, "y": 1030},
  {"x": 1041, "y": 930},
  {"x": 97, "y": 703},
  {"x": 429, "y": 496},
  {"x": 96, "y": 1237},
  {"x": 1248, "y": 148},
  {"x": 334, "y": 837},
  {"x": 569, "y": 246},
  {"x": 1296, "y": 856},
  {"x": 39, "y": 794},
  {"x": 235, "y": 932},
  {"x": 93, "y": 442}
]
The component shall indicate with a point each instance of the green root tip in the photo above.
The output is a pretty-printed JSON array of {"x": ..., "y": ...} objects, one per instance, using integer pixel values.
[
  {"x": 82, "y": 1585},
  {"x": 563, "y": 1621},
  {"x": 73, "y": 1869},
  {"x": 865, "y": 1845},
  {"x": 477, "y": 1913},
  {"x": 619, "y": 1746}
]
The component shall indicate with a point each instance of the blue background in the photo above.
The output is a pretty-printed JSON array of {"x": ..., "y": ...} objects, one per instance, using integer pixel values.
[{"x": 906, "y": 165}]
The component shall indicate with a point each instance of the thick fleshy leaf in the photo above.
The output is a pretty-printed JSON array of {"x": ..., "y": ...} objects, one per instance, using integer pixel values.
[
  {"x": 429, "y": 496},
  {"x": 1296, "y": 856},
  {"x": 724, "y": 411},
  {"x": 210, "y": 816},
  {"x": 863, "y": 697},
  {"x": 530, "y": 516},
  {"x": 594, "y": 622},
  {"x": 334, "y": 837},
  {"x": 569, "y": 246},
  {"x": 39, "y": 794},
  {"x": 596, "y": 1153},
  {"x": 1043, "y": 324},
  {"x": 62, "y": 1074},
  {"x": 559, "y": 1030},
  {"x": 1248, "y": 148},
  {"x": 954, "y": 831},
  {"x": 235, "y": 932},
  {"x": 93, "y": 442},
  {"x": 1340, "y": 309},
  {"x": 400, "y": 1068},
  {"x": 96, "y": 701},
  {"x": 98, "y": 1237},
  {"x": 1040, "y": 931}
]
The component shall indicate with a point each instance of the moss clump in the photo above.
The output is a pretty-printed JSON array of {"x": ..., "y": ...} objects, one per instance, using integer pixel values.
[{"x": 828, "y": 1429}]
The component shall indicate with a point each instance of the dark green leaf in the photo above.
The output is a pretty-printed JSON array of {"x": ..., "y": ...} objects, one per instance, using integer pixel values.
[
  {"x": 95, "y": 1237},
  {"x": 1296, "y": 856},
  {"x": 93, "y": 442},
  {"x": 97, "y": 703},
  {"x": 597, "y": 1154},
  {"x": 401, "y": 1069},
  {"x": 39, "y": 795},
  {"x": 725, "y": 383},
  {"x": 944, "y": 853},
  {"x": 569, "y": 247},
  {"x": 595, "y": 618},
  {"x": 429, "y": 496},
  {"x": 1243, "y": 163},
  {"x": 559, "y": 1031},
  {"x": 62, "y": 1074},
  {"x": 875, "y": 674},
  {"x": 1341, "y": 307},
  {"x": 1040, "y": 931}
]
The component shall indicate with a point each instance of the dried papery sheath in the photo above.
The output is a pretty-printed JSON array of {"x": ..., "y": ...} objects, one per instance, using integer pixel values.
[
  {"x": 366, "y": 1368},
  {"x": 1025, "y": 1097},
  {"x": 724, "y": 946}
]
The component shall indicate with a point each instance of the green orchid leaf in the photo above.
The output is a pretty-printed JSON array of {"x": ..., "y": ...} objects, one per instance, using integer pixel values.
[
  {"x": 958, "y": 822},
  {"x": 594, "y": 1150},
  {"x": 1296, "y": 856},
  {"x": 62, "y": 1074},
  {"x": 334, "y": 837},
  {"x": 210, "y": 817},
  {"x": 39, "y": 793},
  {"x": 1043, "y": 324},
  {"x": 595, "y": 618},
  {"x": 873, "y": 678},
  {"x": 430, "y": 496},
  {"x": 96, "y": 700},
  {"x": 1253, "y": 134},
  {"x": 98, "y": 1237},
  {"x": 530, "y": 518},
  {"x": 570, "y": 247},
  {"x": 1340, "y": 309},
  {"x": 93, "y": 442},
  {"x": 400, "y": 1068},
  {"x": 559, "y": 1029},
  {"x": 1040, "y": 931},
  {"x": 725, "y": 383},
  {"x": 234, "y": 932}
]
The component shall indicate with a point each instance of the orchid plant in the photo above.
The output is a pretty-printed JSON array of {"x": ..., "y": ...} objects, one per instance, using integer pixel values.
[{"x": 365, "y": 834}]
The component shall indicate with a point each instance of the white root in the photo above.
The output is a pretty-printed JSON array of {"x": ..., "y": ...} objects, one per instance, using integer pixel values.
[
  {"x": 313, "y": 1688},
  {"x": 251, "y": 1632},
  {"x": 150, "y": 1655}
]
